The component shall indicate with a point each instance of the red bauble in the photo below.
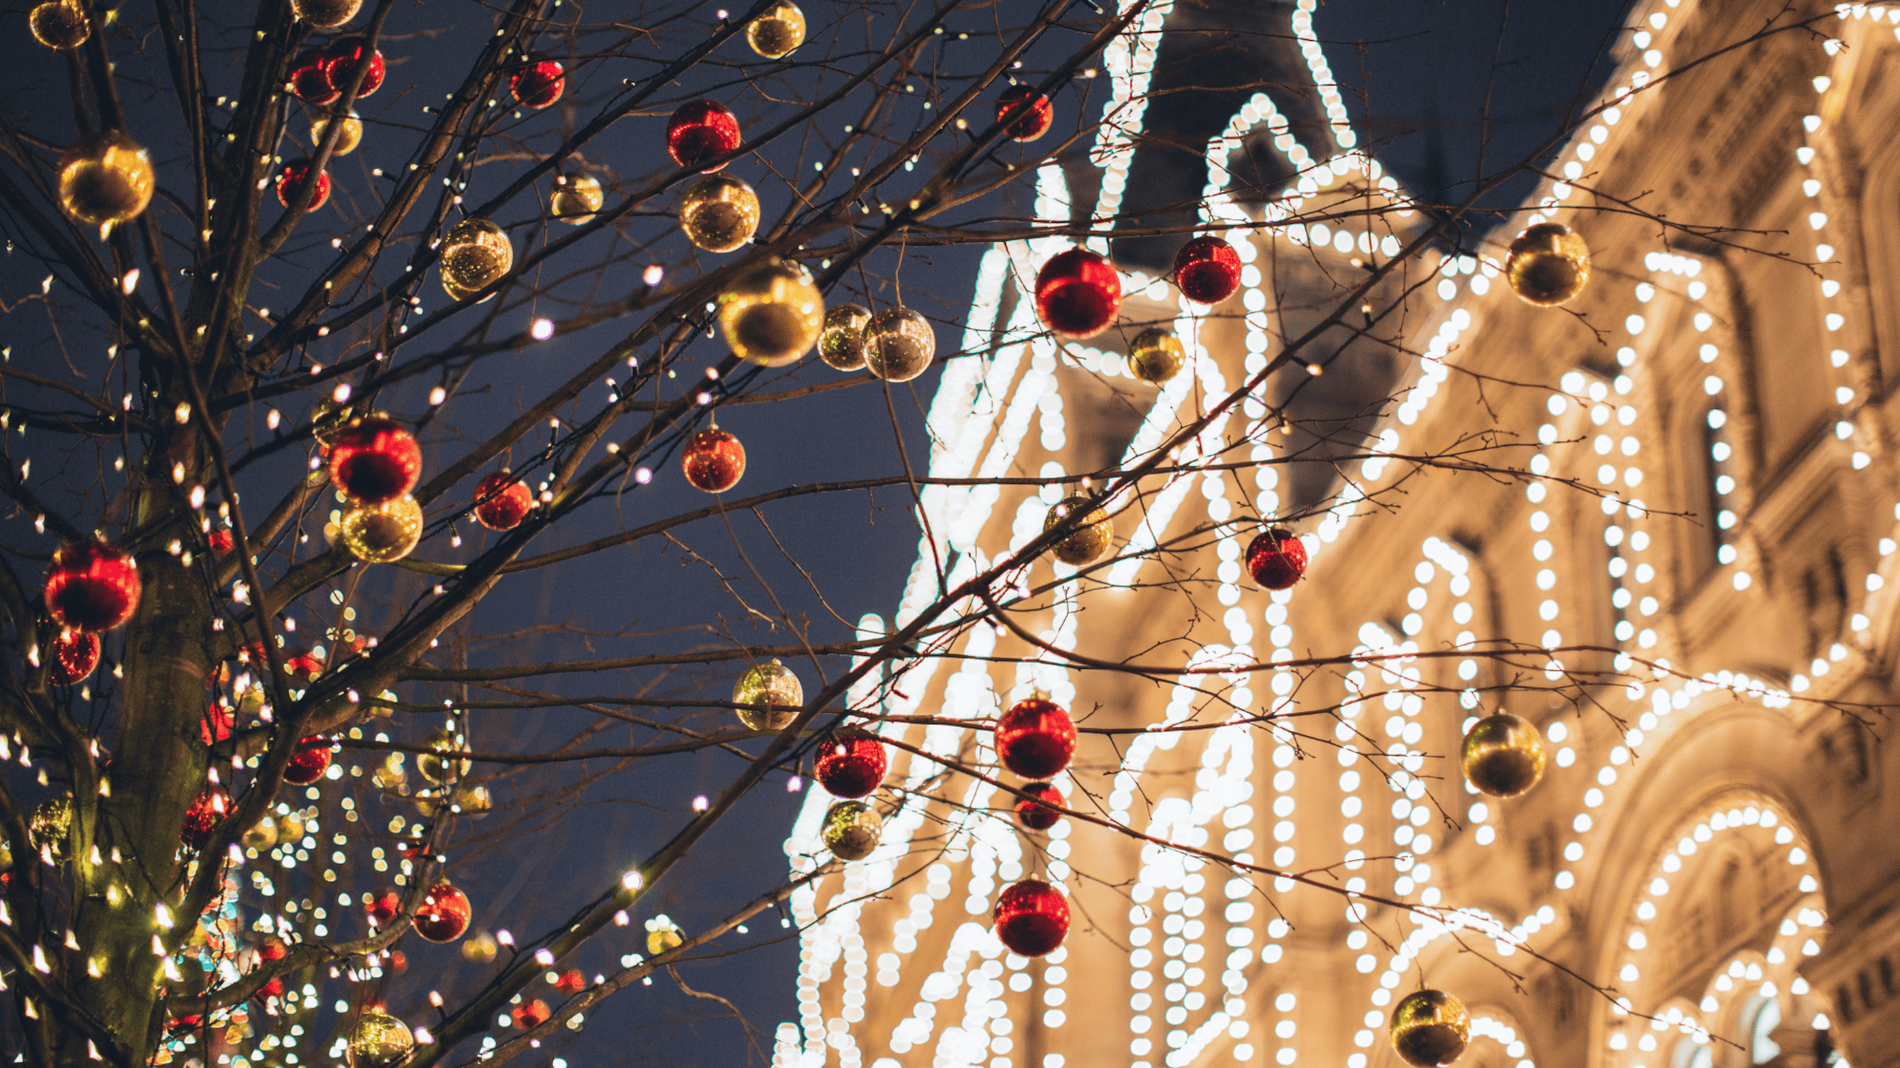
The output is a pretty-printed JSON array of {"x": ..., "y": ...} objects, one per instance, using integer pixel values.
[
  {"x": 1207, "y": 270},
  {"x": 74, "y": 655},
  {"x": 382, "y": 909},
  {"x": 699, "y": 131},
  {"x": 532, "y": 1014},
  {"x": 1078, "y": 294},
  {"x": 571, "y": 982},
  {"x": 1033, "y": 811},
  {"x": 1276, "y": 559},
  {"x": 713, "y": 460},
  {"x": 216, "y": 726},
  {"x": 1035, "y": 738},
  {"x": 344, "y": 55},
  {"x": 502, "y": 501},
  {"x": 444, "y": 914},
  {"x": 310, "y": 79},
  {"x": 1032, "y": 918},
  {"x": 222, "y": 541},
  {"x": 539, "y": 82},
  {"x": 375, "y": 460},
  {"x": 1026, "y": 113},
  {"x": 851, "y": 763},
  {"x": 290, "y": 182},
  {"x": 92, "y": 586},
  {"x": 211, "y": 805},
  {"x": 310, "y": 761}
]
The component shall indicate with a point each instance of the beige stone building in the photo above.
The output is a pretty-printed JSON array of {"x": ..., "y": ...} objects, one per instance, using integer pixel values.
[{"x": 1692, "y": 465}]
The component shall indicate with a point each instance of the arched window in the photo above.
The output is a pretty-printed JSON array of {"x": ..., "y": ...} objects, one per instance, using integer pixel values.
[{"x": 1763, "y": 1015}]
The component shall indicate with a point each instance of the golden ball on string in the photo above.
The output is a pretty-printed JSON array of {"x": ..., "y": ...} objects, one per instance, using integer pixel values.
[
  {"x": 772, "y": 686},
  {"x": 1430, "y": 1028},
  {"x": 105, "y": 179},
  {"x": 349, "y": 133},
  {"x": 851, "y": 830},
  {"x": 1548, "y": 265},
  {"x": 326, "y": 14},
  {"x": 841, "y": 343},
  {"x": 778, "y": 32},
  {"x": 379, "y": 1041},
  {"x": 719, "y": 213},
  {"x": 382, "y": 533},
  {"x": 431, "y": 764},
  {"x": 60, "y": 25},
  {"x": 898, "y": 344},
  {"x": 1503, "y": 755},
  {"x": 1089, "y": 541},
  {"x": 773, "y": 314},
  {"x": 475, "y": 253},
  {"x": 1156, "y": 355},
  {"x": 576, "y": 198},
  {"x": 50, "y": 826},
  {"x": 480, "y": 948}
]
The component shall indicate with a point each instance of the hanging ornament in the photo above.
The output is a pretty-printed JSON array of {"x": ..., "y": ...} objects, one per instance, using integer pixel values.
[
  {"x": 772, "y": 314},
  {"x": 719, "y": 213},
  {"x": 1090, "y": 539},
  {"x": 701, "y": 131},
  {"x": 481, "y": 948},
  {"x": 898, "y": 344},
  {"x": 375, "y": 459},
  {"x": 1207, "y": 270},
  {"x": 1034, "y": 811},
  {"x": 310, "y": 79},
  {"x": 91, "y": 586},
  {"x": 325, "y": 14},
  {"x": 778, "y": 32},
  {"x": 382, "y": 533},
  {"x": 433, "y": 767},
  {"x": 51, "y": 825},
  {"x": 1503, "y": 755},
  {"x": 344, "y": 56},
  {"x": 349, "y": 133},
  {"x": 713, "y": 460},
  {"x": 216, "y": 726},
  {"x": 530, "y": 1014},
  {"x": 1031, "y": 918},
  {"x": 1035, "y": 738},
  {"x": 60, "y": 25},
  {"x": 773, "y": 685},
  {"x": 291, "y": 179},
  {"x": 309, "y": 762},
  {"x": 1430, "y": 1028},
  {"x": 1548, "y": 265},
  {"x": 221, "y": 541},
  {"x": 841, "y": 342},
  {"x": 1078, "y": 294},
  {"x": 261, "y": 835},
  {"x": 105, "y": 179},
  {"x": 852, "y": 829},
  {"x": 851, "y": 763},
  {"x": 382, "y": 908},
  {"x": 475, "y": 254},
  {"x": 571, "y": 981},
  {"x": 203, "y": 815},
  {"x": 1156, "y": 355},
  {"x": 74, "y": 654},
  {"x": 576, "y": 198},
  {"x": 539, "y": 82},
  {"x": 379, "y": 1041},
  {"x": 1276, "y": 559},
  {"x": 502, "y": 501},
  {"x": 444, "y": 913},
  {"x": 1025, "y": 113}
]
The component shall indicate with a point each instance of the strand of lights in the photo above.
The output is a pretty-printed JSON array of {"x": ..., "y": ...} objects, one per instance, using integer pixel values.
[{"x": 1129, "y": 62}]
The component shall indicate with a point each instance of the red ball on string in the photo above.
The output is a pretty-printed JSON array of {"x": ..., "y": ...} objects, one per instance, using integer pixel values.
[
  {"x": 202, "y": 815},
  {"x": 290, "y": 183},
  {"x": 309, "y": 762},
  {"x": 571, "y": 981},
  {"x": 1025, "y": 113},
  {"x": 344, "y": 55},
  {"x": 1207, "y": 270},
  {"x": 444, "y": 913},
  {"x": 382, "y": 909},
  {"x": 216, "y": 726},
  {"x": 539, "y": 82},
  {"x": 851, "y": 763},
  {"x": 92, "y": 586},
  {"x": 1078, "y": 294},
  {"x": 1035, "y": 738},
  {"x": 310, "y": 79},
  {"x": 1276, "y": 559},
  {"x": 1033, "y": 811},
  {"x": 713, "y": 460},
  {"x": 1032, "y": 918},
  {"x": 75, "y": 654},
  {"x": 502, "y": 501},
  {"x": 699, "y": 131},
  {"x": 375, "y": 460},
  {"x": 533, "y": 1014},
  {"x": 222, "y": 541}
]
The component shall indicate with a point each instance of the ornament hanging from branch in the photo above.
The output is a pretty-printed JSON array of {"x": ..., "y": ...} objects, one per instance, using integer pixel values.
[
  {"x": 1548, "y": 265},
  {"x": 851, "y": 764},
  {"x": 1276, "y": 559},
  {"x": 1503, "y": 756},
  {"x": 778, "y": 32},
  {"x": 719, "y": 213},
  {"x": 772, "y": 314},
  {"x": 1207, "y": 270},
  {"x": 841, "y": 342},
  {"x": 1430, "y": 1028},
  {"x": 898, "y": 344},
  {"x": 1035, "y": 738},
  {"x": 700, "y": 131},
  {"x": 1025, "y": 113},
  {"x": 1078, "y": 294},
  {"x": 1088, "y": 541},
  {"x": 92, "y": 586},
  {"x": 1031, "y": 918}
]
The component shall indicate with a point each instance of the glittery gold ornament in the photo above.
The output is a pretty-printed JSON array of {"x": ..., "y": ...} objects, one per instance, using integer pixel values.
[
  {"x": 1548, "y": 265},
  {"x": 290, "y": 827},
  {"x": 433, "y": 767},
  {"x": 326, "y": 14},
  {"x": 719, "y": 213},
  {"x": 662, "y": 935},
  {"x": 1155, "y": 356},
  {"x": 382, "y": 533},
  {"x": 778, "y": 32},
  {"x": 898, "y": 345},
  {"x": 475, "y": 252},
  {"x": 841, "y": 343},
  {"x": 50, "y": 826},
  {"x": 1503, "y": 755},
  {"x": 60, "y": 25},
  {"x": 480, "y": 948},
  {"x": 773, "y": 314},
  {"x": 1430, "y": 1028},
  {"x": 379, "y": 1041},
  {"x": 105, "y": 179},
  {"x": 851, "y": 830},
  {"x": 1089, "y": 541},
  {"x": 576, "y": 198},
  {"x": 350, "y": 135},
  {"x": 771, "y": 684},
  {"x": 262, "y": 835}
]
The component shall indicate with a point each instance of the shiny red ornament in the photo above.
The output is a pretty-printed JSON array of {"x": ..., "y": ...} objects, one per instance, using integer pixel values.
[
  {"x": 571, "y": 982},
  {"x": 713, "y": 460},
  {"x": 1035, "y": 738},
  {"x": 310, "y": 79},
  {"x": 699, "y": 131},
  {"x": 1026, "y": 113},
  {"x": 303, "y": 667},
  {"x": 1276, "y": 559},
  {"x": 222, "y": 541},
  {"x": 444, "y": 914},
  {"x": 382, "y": 909},
  {"x": 1032, "y": 918},
  {"x": 1207, "y": 270},
  {"x": 202, "y": 815},
  {"x": 92, "y": 586},
  {"x": 539, "y": 82},
  {"x": 344, "y": 55},
  {"x": 851, "y": 763},
  {"x": 375, "y": 460},
  {"x": 532, "y": 1014},
  {"x": 216, "y": 726},
  {"x": 1033, "y": 811},
  {"x": 310, "y": 761},
  {"x": 290, "y": 183},
  {"x": 502, "y": 501},
  {"x": 74, "y": 654},
  {"x": 1078, "y": 294}
]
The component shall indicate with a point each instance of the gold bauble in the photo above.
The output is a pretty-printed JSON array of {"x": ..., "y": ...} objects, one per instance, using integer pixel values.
[
  {"x": 841, "y": 343},
  {"x": 475, "y": 252},
  {"x": 105, "y": 179},
  {"x": 480, "y": 948},
  {"x": 852, "y": 829},
  {"x": 351, "y": 134},
  {"x": 1548, "y": 265},
  {"x": 382, "y": 533},
  {"x": 474, "y": 800},
  {"x": 1089, "y": 542},
  {"x": 898, "y": 345},
  {"x": 719, "y": 213},
  {"x": 1503, "y": 755},
  {"x": 1155, "y": 356},
  {"x": 662, "y": 935},
  {"x": 778, "y": 32},
  {"x": 771, "y": 684},
  {"x": 379, "y": 1041},
  {"x": 326, "y": 14},
  {"x": 290, "y": 827},
  {"x": 576, "y": 198},
  {"x": 772, "y": 314},
  {"x": 1430, "y": 1028},
  {"x": 51, "y": 825},
  {"x": 60, "y": 25},
  {"x": 262, "y": 835},
  {"x": 433, "y": 767}
]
